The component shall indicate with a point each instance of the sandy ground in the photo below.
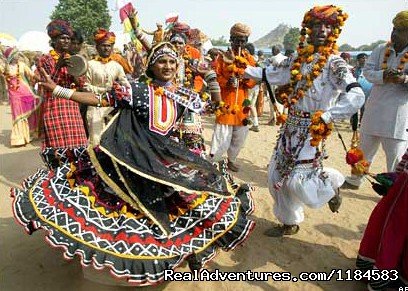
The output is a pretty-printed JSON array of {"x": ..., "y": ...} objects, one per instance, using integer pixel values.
[{"x": 326, "y": 241}]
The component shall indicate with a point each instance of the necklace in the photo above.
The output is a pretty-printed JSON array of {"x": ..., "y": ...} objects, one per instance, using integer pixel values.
[
  {"x": 103, "y": 60},
  {"x": 387, "y": 54},
  {"x": 300, "y": 83}
]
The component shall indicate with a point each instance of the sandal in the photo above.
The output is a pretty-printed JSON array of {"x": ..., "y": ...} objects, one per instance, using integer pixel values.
[{"x": 335, "y": 202}]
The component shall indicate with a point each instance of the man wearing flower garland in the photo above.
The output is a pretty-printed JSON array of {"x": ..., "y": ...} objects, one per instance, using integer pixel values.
[
  {"x": 231, "y": 127},
  {"x": 102, "y": 72},
  {"x": 385, "y": 119},
  {"x": 319, "y": 88}
]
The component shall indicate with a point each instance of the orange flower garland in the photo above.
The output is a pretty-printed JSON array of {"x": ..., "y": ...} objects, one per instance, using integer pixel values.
[
  {"x": 238, "y": 66},
  {"x": 318, "y": 129},
  {"x": 237, "y": 69},
  {"x": 300, "y": 83},
  {"x": 387, "y": 54}
]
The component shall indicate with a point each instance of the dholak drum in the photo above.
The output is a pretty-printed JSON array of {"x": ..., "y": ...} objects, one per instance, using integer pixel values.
[{"x": 79, "y": 66}]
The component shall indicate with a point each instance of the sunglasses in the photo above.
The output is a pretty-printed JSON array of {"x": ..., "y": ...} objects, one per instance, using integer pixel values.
[{"x": 177, "y": 42}]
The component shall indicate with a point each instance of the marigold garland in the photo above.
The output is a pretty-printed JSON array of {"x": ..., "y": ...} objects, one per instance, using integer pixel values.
[
  {"x": 317, "y": 58},
  {"x": 387, "y": 54},
  {"x": 237, "y": 69},
  {"x": 318, "y": 129}
]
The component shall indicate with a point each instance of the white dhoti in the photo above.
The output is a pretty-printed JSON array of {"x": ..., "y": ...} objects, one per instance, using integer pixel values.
[
  {"x": 295, "y": 175},
  {"x": 96, "y": 117},
  {"x": 227, "y": 139}
]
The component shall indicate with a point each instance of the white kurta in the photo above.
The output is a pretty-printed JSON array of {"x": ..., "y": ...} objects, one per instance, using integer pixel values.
[
  {"x": 386, "y": 111},
  {"x": 296, "y": 175},
  {"x": 385, "y": 119},
  {"x": 99, "y": 79}
]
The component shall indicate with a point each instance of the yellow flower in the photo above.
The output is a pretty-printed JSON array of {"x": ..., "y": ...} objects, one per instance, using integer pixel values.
[
  {"x": 159, "y": 91},
  {"x": 294, "y": 72}
]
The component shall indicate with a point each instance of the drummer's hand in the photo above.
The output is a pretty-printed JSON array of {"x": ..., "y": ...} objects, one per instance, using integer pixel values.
[
  {"x": 64, "y": 62},
  {"x": 46, "y": 81}
]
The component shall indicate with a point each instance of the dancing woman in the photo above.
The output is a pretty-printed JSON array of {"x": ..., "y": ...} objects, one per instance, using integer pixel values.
[
  {"x": 140, "y": 203},
  {"x": 24, "y": 103}
]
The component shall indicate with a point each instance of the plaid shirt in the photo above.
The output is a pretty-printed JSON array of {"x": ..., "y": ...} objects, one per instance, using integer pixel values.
[{"x": 62, "y": 123}]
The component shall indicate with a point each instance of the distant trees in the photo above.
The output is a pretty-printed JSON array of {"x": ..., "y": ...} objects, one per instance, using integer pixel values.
[
  {"x": 291, "y": 39},
  {"x": 221, "y": 41},
  {"x": 364, "y": 47},
  {"x": 84, "y": 15}
]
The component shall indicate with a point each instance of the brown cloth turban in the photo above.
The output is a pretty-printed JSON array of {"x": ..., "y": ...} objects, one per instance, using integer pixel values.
[{"x": 240, "y": 29}]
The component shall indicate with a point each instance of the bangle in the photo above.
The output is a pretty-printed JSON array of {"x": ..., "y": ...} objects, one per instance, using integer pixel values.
[
  {"x": 62, "y": 92},
  {"x": 209, "y": 76}
]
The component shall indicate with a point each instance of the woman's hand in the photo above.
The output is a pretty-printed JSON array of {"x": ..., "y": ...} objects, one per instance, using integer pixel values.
[{"x": 45, "y": 80}]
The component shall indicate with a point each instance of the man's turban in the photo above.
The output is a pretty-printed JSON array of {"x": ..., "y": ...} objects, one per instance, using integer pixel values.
[
  {"x": 240, "y": 29},
  {"x": 58, "y": 27},
  {"x": 102, "y": 35},
  {"x": 328, "y": 14},
  {"x": 401, "y": 20}
]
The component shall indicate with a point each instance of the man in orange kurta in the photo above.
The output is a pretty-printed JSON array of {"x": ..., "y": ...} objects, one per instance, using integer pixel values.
[{"x": 231, "y": 129}]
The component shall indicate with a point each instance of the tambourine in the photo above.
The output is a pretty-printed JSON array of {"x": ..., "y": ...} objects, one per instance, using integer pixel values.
[{"x": 79, "y": 66}]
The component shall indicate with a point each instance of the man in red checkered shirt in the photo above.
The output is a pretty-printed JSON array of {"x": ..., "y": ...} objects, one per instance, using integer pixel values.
[{"x": 63, "y": 128}]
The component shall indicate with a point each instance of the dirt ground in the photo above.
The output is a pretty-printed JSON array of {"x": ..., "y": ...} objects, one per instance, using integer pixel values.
[{"x": 325, "y": 241}]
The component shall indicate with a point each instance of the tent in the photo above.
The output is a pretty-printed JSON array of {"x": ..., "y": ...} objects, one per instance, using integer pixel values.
[
  {"x": 34, "y": 41},
  {"x": 7, "y": 39}
]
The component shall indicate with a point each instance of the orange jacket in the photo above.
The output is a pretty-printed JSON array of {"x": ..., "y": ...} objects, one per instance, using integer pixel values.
[{"x": 230, "y": 95}]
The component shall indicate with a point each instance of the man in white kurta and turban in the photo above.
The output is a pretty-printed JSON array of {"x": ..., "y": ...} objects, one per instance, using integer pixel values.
[
  {"x": 385, "y": 119},
  {"x": 319, "y": 89}
]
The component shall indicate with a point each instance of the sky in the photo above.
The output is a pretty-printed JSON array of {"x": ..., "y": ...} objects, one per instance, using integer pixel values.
[{"x": 369, "y": 20}]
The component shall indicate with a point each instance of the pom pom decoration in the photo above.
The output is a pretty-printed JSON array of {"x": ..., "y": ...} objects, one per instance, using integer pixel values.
[{"x": 355, "y": 158}]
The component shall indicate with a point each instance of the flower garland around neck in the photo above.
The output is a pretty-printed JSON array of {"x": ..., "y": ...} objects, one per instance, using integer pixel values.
[
  {"x": 9, "y": 77},
  {"x": 300, "y": 83},
  {"x": 387, "y": 54},
  {"x": 103, "y": 60},
  {"x": 56, "y": 56}
]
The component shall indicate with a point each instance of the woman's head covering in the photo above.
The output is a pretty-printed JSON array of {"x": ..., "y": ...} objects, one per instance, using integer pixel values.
[
  {"x": 58, "y": 27},
  {"x": 10, "y": 54},
  {"x": 102, "y": 35},
  {"x": 328, "y": 14},
  {"x": 161, "y": 49},
  {"x": 401, "y": 20},
  {"x": 240, "y": 29}
]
